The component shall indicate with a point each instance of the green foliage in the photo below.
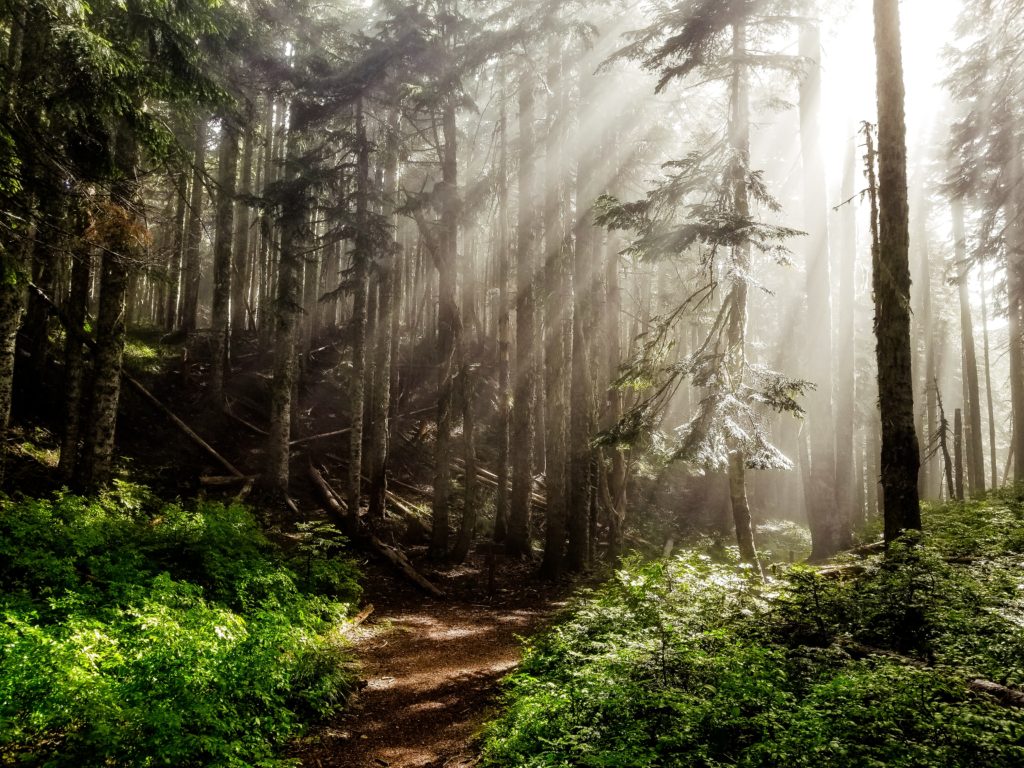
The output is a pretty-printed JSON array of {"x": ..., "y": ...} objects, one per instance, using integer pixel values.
[
  {"x": 693, "y": 662},
  {"x": 137, "y": 634}
]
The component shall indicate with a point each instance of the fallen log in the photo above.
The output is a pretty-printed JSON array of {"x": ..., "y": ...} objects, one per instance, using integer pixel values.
[
  {"x": 226, "y": 479},
  {"x": 1008, "y": 697},
  {"x": 181, "y": 425},
  {"x": 244, "y": 422},
  {"x": 1004, "y": 695},
  {"x": 395, "y": 556},
  {"x": 136, "y": 385},
  {"x": 362, "y": 616}
]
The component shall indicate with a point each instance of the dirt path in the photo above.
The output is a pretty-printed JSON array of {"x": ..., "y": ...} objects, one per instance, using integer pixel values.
[{"x": 432, "y": 671}]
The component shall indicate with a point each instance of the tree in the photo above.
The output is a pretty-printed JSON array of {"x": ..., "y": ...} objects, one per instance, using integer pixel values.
[{"x": 891, "y": 271}]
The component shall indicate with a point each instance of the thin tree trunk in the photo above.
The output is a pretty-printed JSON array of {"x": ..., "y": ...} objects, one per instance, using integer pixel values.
[
  {"x": 174, "y": 262},
  {"x": 449, "y": 329},
  {"x": 194, "y": 235},
  {"x": 467, "y": 528},
  {"x": 850, "y": 510},
  {"x": 361, "y": 257},
  {"x": 988, "y": 383},
  {"x": 957, "y": 489},
  {"x": 975, "y": 450},
  {"x": 223, "y": 239},
  {"x": 557, "y": 308},
  {"x": 386, "y": 338},
  {"x": 582, "y": 415},
  {"x": 285, "y": 316},
  {"x": 501, "y": 503},
  {"x": 74, "y": 359},
  {"x": 739, "y": 139},
  {"x": 241, "y": 264},
  {"x": 829, "y": 534},
  {"x": 518, "y": 541}
]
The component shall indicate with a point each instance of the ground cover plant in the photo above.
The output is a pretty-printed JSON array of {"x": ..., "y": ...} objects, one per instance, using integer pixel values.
[
  {"x": 138, "y": 633},
  {"x": 694, "y": 661}
]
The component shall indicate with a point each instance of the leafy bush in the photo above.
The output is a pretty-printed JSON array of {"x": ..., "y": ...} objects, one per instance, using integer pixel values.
[
  {"x": 137, "y": 634},
  {"x": 695, "y": 662}
]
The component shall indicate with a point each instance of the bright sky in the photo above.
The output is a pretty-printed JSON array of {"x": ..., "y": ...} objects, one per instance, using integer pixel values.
[{"x": 849, "y": 65}]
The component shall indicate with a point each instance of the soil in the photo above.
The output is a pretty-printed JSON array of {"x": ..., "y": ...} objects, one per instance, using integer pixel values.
[{"x": 432, "y": 669}]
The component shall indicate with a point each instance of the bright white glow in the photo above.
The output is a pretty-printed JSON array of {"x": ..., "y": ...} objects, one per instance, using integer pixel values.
[{"x": 849, "y": 70}]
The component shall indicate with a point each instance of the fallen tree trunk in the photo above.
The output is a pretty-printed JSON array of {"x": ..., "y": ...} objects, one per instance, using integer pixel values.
[
  {"x": 395, "y": 556},
  {"x": 226, "y": 479},
  {"x": 1004, "y": 695},
  {"x": 136, "y": 385},
  {"x": 181, "y": 425}
]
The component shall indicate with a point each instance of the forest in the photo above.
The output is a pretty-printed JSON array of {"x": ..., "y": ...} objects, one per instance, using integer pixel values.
[{"x": 512, "y": 383}]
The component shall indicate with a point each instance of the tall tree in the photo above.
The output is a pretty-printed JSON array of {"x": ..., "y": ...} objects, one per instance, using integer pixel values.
[
  {"x": 891, "y": 271},
  {"x": 828, "y": 532}
]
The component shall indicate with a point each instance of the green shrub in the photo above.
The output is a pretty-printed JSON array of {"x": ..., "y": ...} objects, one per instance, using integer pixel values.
[
  {"x": 134, "y": 634},
  {"x": 695, "y": 662}
]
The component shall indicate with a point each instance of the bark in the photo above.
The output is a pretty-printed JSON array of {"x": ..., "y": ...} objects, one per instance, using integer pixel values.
[
  {"x": 828, "y": 532},
  {"x": 849, "y": 507},
  {"x": 957, "y": 490},
  {"x": 106, "y": 388},
  {"x": 386, "y": 338},
  {"x": 972, "y": 404},
  {"x": 174, "y": 260},
  {"x": 194, "y": 235},
  {"x": 739, "y": 140},
  {"x": 1015, "y": 306},
  {"x": 223, "y": 238},
  {"x": 891, "y": 271},
  {"x": 240, "y": 262},
  {"x": 11, "y": 307},
  {"x": 501, "y": 503},
  {"x": 583, "y": 418},
  {"x": 518, "y": 542},
  {"x": 556, "y": 301},
  {"x": 74, "y": 360},
  {"x": 285, "y": 316},
  {"x": 361, "y": 257},
  {"x": 449, "y": 328},
  {"x": 988, "y": 384},
  {"x": 98, "y": 452},
  {"x": 467, "y": 528},
  {"x": 613, "y": 482}
]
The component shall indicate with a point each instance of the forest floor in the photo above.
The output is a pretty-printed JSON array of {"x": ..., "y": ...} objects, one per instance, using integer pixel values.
[{"x": 432, "y": 668}]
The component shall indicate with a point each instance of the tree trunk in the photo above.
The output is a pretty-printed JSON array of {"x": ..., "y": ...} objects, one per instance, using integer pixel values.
[
  {"x": 449, "y": 329},
  {"x": 988, "y": 383},
  {"x": 557, "y": 311},
  {"x": 74, "y": 357},
  {"x": 975, "y": 450},
  {"x": 241, "y": 265},
  {"x": 194, "y": 235},
  {"x": 501, "y": 503},
  {"x": 285, "y": 315},
  {"x": 850, "y": 510},
  {"x": 739, "y": 140},
  {"x": 223, "y": 239},
  {"x": 518, "y": 542},
  {"x": 828, "y": 532},
  {"x": 891, "y": 270},
  {"x": 467, "y": 528},
  {"x": 582, "y": 413},
  {"x": 1015, "y": 307},
  {"x": 361, "y": 257},
  {"x": 386, "y": 339},
  {"x": 957, "y": 490}
]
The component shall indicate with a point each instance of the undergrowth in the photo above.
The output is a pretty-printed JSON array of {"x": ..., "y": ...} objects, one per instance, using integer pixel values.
[
  {"x": 136, "y": 633},
  {"x": 696, "y": 662}
]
